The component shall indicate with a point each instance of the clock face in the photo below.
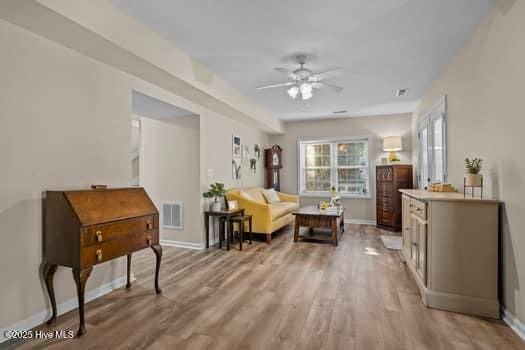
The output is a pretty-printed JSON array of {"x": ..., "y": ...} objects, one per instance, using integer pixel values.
[{"x": 275, "y": 159}]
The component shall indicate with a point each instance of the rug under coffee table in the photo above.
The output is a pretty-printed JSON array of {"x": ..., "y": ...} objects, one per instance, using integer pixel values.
[{"x": 312, "y": 217}]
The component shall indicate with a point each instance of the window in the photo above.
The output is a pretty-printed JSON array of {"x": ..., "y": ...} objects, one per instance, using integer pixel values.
[
  {"x": 340, "y": 163},
  {"x": 432, "y": 146}
]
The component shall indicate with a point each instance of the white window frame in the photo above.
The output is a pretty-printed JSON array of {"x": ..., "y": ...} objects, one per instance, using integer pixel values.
[
  {"x": 333, "y": 165},
  {"x": 438, "y": 111}
]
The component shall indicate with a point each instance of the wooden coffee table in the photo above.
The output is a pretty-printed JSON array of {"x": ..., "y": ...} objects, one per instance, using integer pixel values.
[{"x": 312, "y": 218}]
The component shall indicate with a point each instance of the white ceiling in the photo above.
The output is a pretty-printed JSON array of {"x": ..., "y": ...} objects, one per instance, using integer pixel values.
[{"x": 382, "y": 45}]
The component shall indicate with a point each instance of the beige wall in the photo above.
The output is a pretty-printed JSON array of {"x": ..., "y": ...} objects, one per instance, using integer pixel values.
[
  {"x": 169, "y": 163},
  {"x": 65, "y": 123},
  {"x": 485, "y": 88},
  {"x": 376, "y": 127}
]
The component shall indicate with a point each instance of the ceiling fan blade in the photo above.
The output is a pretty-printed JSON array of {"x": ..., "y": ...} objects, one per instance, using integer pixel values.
[
  {"x": 275, "y": 85},
  {"x": 330, "y": 73},
  {"x": 288, "y": 72},
  {"x": 322, "y": 84}
]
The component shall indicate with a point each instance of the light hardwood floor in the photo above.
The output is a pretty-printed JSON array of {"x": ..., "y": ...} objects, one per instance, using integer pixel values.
[{"x": 358, "y": 295}]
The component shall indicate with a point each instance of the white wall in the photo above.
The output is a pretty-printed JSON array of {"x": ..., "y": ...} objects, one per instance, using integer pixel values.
[
  {"x": 485, "y": 88},
  {"x": 377, "y": 127},
  {"x": 65, "y": 123},
  {"x": 169, "y": 170}
]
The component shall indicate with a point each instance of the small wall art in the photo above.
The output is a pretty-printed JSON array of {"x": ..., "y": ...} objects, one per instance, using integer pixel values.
[
  {"x": 245, "y": 154},
  {"x": 236, "y": 146},
  {"x": 236, "y": 168}
]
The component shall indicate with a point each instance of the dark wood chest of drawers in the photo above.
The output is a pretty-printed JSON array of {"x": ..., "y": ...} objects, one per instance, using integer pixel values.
[
  {"x": 88, "y": 227},
  {"x": 389, "y": 179}
]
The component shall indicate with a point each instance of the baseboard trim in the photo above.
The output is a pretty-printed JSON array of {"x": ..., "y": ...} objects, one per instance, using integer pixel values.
[
  {"x": 516, "y": 325},
  {"x": 62, "y": 308},
  {"x": 180, "y": 244},
  {"x": 360, "y": 222}
]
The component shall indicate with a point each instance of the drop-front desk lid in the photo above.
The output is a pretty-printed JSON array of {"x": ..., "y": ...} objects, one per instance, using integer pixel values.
[{"x": 100, "y": 206}]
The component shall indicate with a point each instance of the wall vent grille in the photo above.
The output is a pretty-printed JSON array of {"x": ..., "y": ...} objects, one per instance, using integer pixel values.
[{"x": 172, "y": 215}]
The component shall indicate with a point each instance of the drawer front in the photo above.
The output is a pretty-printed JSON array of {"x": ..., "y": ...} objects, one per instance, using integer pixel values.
[
  {"x": 385, "y": 174},
  {"x": 107, "y": 232},
  {"x": 418, "y": 208},
  {"x": 385, "y": 218},
  {"x": 99, "y": 253},
  {"x": 385, "y": 189},
  {"x": 385, "y": 204}
]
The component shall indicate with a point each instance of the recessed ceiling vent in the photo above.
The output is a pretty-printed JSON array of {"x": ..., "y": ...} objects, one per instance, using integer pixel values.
[
  {"x": 340, "y": 112},
  {"x": 401, "y": 92}
]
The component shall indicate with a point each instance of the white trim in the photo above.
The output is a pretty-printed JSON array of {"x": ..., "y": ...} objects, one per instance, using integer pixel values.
[
  {"x": 360, "y": 222},
  {"x": 181, "y": 244},
  {"x": 516, "y": 325},
  {"x": 328, "y": 194},
  {"x": 62, "y": 308}
]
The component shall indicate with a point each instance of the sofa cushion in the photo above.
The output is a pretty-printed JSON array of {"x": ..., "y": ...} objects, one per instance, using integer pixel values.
[
  {"x": 271, "y": 196},
  {"x": 281, "y": 209},
  {"x": 245, "y": 195},
  {"x": 256, "y": 194}
]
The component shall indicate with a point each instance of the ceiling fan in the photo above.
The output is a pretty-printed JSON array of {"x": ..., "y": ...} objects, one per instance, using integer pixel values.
[{"x": 304, "y": 81}]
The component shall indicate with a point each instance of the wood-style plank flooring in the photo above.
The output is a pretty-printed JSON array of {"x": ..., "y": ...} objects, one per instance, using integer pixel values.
[{"x": 358, "y": 295}]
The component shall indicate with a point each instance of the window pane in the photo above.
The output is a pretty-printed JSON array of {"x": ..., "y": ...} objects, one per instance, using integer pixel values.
[
  {"x": 353, "y": 180},
  {"x": 316, "y": 180},
  {"x": 352, "y": 154},
  {"x": 317, "y": 155},
  {"x": 438, "y": 150}
]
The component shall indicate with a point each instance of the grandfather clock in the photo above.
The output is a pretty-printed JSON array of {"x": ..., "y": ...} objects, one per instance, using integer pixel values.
[{"x": 273, "y": 164}]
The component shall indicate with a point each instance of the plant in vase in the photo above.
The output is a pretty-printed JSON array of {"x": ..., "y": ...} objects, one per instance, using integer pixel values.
[
  {"x": 473, "y": 178},
  {"x": 216, "y": 191}
]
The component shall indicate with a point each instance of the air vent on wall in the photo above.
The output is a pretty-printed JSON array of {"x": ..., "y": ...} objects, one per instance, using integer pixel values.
[
  {"x": 172, "y": 215},
  {"x": 401, "y": 92}
]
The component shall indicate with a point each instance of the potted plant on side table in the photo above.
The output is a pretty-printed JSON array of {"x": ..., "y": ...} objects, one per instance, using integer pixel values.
[
  {"x": 473, "y": 178},
  {"x": 216, "y": 191}
]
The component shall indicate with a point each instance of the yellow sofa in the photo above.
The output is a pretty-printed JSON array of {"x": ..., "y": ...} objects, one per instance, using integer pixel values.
[{"x": 267, "y": 218}]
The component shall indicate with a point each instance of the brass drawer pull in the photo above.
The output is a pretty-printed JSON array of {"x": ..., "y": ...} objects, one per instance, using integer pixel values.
[
  {"x": 99, "y": 255},
  {"x": 149, "y": 240},
  {"x": 149, "y": 225},
  {"x": 99, "y": 236}
]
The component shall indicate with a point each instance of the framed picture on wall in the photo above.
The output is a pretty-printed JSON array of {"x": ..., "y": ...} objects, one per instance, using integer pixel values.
[
  {"x": 236, "y": 168},
  {"x": 245, "y": 154},
  {"x": 236, "y": 146}
]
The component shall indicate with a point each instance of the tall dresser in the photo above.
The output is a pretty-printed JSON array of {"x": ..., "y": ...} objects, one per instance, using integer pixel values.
[{"x": 389, "y": 180}]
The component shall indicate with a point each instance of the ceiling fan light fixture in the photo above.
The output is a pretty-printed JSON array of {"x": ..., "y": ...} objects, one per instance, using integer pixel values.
[
  {"x": 306, "y": 91},
  {"x": 293, "y": 91}
]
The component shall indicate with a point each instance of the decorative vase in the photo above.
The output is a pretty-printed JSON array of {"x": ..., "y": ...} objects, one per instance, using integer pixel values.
[
  {"x": 473, "y": 180},
  {"x": 215, "y": 206}
]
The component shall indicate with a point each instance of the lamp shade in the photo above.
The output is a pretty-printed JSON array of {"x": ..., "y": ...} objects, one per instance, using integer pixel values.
[{"x": 392, "y": 144}]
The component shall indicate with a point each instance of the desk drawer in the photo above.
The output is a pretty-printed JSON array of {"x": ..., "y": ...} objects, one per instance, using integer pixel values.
[
  {"x": 418, "y": 208},
  {"x": 118, "y": 229},
  {"x": 99, "y": 253}
]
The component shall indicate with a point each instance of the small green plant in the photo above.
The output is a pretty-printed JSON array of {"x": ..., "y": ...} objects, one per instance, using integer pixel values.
[
  {"x": 216, "y": 191},
  {"x": 473, "y": 166}
]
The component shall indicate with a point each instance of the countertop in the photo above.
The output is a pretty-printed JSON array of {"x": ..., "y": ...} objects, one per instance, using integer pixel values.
[{"x": 444, "y": 196}]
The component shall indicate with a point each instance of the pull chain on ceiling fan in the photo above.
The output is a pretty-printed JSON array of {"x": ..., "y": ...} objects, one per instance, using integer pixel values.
[{"x": 304, "y": 81}]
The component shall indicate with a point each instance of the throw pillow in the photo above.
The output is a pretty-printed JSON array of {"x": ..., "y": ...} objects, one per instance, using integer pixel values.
[{"x": 271, "y": 196}]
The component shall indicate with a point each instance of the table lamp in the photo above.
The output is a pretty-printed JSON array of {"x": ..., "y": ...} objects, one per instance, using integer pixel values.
[{"x": 392, "y": 144}]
